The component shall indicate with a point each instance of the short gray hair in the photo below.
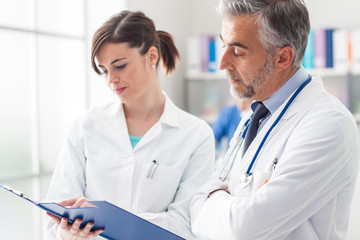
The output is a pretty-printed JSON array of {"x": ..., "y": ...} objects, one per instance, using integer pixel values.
[{"x": 281, "y": 22}]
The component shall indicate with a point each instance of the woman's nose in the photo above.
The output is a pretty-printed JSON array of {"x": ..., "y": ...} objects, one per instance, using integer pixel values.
[{"x": 113, "y": 78}]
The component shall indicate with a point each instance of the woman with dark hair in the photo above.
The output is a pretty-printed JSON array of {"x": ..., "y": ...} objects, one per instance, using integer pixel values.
[{"x": 141, "y": 153}]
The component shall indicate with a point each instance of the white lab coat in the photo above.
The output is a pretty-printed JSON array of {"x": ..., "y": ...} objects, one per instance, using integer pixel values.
[
  {"x": 309, "y": 193},
  {"x": 98, "y": 162}
]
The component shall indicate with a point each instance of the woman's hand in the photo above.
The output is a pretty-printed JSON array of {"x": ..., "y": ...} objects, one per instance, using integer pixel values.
[{"x": 73, "y": 231}]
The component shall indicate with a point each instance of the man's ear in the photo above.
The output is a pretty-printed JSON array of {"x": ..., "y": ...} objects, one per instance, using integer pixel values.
[
  {"x": 153, "y": 55},
  {"x": 284, "y": 58}
]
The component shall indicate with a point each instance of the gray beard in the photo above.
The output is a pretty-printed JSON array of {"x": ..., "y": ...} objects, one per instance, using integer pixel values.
[{"x": 256, "y": 84}]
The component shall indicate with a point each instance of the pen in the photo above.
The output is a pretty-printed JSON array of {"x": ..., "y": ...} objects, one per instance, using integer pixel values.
[
  {"x": 152, "y": 169},
  {"x": 275, "y": 163}
]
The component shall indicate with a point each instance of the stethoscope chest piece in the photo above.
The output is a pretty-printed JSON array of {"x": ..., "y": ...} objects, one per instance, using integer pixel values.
[
  {"x": 223, "y": 177},
  {"x": 245, "y": 180}
]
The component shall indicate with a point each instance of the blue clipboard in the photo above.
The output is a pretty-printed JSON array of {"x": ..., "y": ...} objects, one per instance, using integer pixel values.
[{"x": 118, "y": 223}]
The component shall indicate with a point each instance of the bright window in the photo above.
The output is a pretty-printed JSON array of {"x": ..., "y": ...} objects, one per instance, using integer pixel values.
[
  {"x": 16, "y": 102},
  {"x": 43, "y": 81}
]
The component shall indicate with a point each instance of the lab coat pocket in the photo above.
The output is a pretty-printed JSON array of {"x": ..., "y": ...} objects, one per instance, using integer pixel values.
[
  {"x": 156, "y": 188},
  {"x": 260, "y": 178}
]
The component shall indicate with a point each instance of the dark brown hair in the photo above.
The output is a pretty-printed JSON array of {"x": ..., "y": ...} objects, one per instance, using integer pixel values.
[{"x": 138, "y": 31}]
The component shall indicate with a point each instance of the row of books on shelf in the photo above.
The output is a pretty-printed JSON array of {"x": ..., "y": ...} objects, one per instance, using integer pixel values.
[
  {"x": 203, "y": 55},
  {"x": 335, "y": 49}
]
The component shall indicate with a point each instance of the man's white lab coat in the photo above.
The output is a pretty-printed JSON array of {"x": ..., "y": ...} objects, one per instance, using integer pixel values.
[{"x": 307, "y": 195}]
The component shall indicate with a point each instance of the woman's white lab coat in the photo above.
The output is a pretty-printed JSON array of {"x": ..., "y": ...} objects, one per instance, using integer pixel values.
[
  {"x": 98, "y": 162},
  {"x": 311, "y": 161}
]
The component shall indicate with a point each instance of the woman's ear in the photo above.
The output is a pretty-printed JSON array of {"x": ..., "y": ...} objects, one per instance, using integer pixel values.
[
  {"x": 153, "y": 55},
  {"x": 284, "y": 58}
]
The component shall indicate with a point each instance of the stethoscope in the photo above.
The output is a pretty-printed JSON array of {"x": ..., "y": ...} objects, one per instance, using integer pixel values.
[{"x": 246, "y": 178}]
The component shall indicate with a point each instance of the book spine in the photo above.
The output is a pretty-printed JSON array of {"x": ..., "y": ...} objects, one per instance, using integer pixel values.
[
  {"x": 220, "y": 49},
  {"x": 193, "y": 56},
  {"x": 204, "y": 39},
  {"x": 308, "y": 60},
  {"x": 329, "y": 48},
  {"x": 212, "y": 55},
  {"x": 341, "y": 50},
  {"x": 355, "y": 47},
  {"x": 320, "y": 48}
]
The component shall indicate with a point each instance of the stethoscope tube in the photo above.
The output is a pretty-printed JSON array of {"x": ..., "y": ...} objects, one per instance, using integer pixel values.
[
  {"x": 244, "y": 131},
  {"x": 275, "y": 123},
  {"x": 238, "y": 144}
]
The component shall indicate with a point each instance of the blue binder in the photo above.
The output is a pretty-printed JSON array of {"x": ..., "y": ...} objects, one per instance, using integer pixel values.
[{"x": 118, "y": 223}]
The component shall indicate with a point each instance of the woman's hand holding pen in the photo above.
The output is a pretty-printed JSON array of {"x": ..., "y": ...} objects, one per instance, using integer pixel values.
[{"x": 73, "y": 231}]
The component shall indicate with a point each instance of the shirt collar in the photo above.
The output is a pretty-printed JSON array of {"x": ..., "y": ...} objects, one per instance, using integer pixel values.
[{"x": 280, "y": 96}]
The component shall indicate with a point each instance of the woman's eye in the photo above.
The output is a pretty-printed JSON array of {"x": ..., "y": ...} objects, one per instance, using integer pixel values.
[
  {"x": 104, "y": 72},
  {"x": 121, "y": 66}
]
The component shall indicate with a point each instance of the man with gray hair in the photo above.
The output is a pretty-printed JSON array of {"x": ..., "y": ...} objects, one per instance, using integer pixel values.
[{"x": 292, "y": 165}]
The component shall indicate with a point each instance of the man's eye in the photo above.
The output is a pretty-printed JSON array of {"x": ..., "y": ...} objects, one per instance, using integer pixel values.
[{"x": 238, "y": 53}]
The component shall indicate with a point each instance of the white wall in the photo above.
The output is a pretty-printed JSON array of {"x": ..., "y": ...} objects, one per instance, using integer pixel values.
[
  {"x": 334, "y": 13},
  {"x": 181, "y": 19}
]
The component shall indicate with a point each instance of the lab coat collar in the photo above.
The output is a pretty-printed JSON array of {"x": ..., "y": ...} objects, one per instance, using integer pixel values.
[
  {"x": 170, "y": 115},
  {"x": 116, "y": 117},
  {"x": 302, "y": 101},
  {"x": 306, "y": 97},
  {"x": 275, "y": 101}
]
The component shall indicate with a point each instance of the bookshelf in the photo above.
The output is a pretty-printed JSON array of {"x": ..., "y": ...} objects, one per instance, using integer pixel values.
[
  {"x": 206, "y": 93},
  {"x": 332, "y": 53}
]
